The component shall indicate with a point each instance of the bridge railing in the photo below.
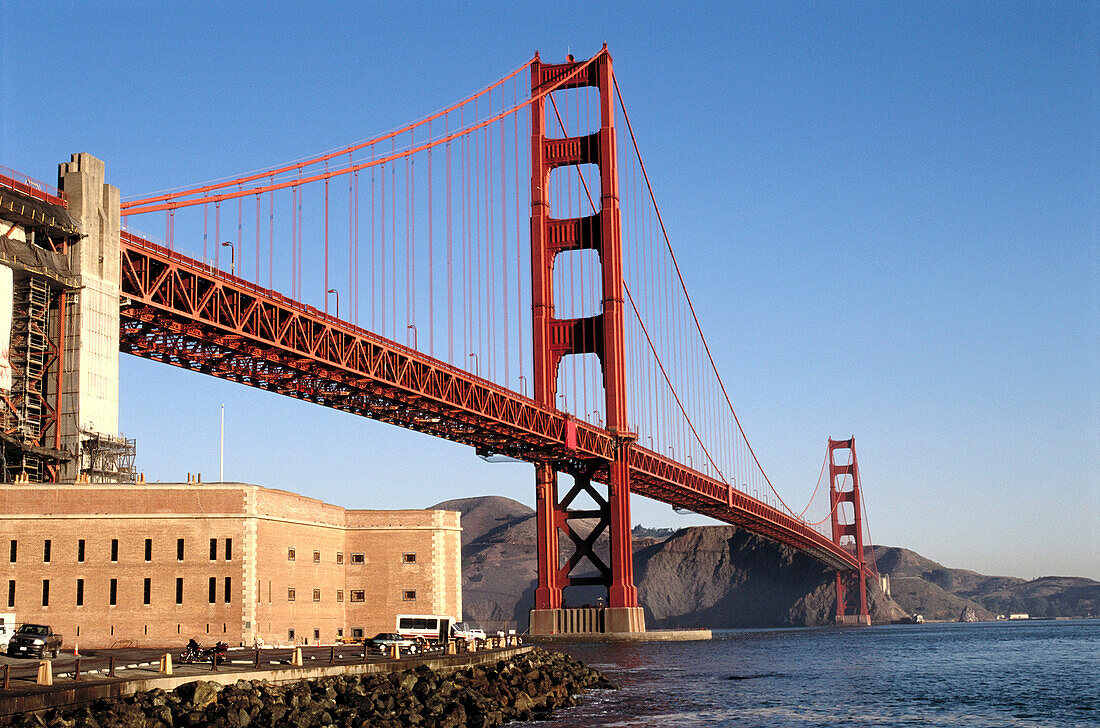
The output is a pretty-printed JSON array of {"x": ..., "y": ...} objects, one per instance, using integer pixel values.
[{"x": 30, "y": 186}]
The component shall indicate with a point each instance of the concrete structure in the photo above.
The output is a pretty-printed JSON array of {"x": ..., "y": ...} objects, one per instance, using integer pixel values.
[
  {"x": 59, "y": 327},
  {"x": 25, "y": 699},
  {"x": 154, "y": 565},
  {"x": 89, "y": 402}
]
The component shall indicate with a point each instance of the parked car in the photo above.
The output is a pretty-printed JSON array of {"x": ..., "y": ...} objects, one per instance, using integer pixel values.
[
  {"x": 468, "y": 632},
  {"x": 384, "y": 642},
  {"x": 34, "y": 640}
]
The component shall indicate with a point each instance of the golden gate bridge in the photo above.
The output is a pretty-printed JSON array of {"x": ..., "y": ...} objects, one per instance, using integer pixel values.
[{"x": 498, "y": 274}]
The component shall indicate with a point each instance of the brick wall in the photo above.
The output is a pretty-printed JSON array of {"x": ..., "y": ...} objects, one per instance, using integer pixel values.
[{"x": 401, "y": 561}]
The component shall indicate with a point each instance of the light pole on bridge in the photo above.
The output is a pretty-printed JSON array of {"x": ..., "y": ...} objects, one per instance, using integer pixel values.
[
  {"x": 523, "y": 381},
  {"x": 232, "y": 257},
  {"x": 477, "y": 365},
  {"x": 412, "y": 327},
  {"x": 333, "y": 290}
]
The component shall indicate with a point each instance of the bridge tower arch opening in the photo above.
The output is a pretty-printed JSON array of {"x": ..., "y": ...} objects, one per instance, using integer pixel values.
[
  {"x": 844, "y": 490},
  {"x": 601, "y": 334}
]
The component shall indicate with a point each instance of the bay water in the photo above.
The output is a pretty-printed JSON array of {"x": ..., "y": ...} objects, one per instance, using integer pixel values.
[{"x": 1027, "y": 673}]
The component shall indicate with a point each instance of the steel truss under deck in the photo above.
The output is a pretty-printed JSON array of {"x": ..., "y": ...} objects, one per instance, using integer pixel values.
[{"x": 182, "y": 312}]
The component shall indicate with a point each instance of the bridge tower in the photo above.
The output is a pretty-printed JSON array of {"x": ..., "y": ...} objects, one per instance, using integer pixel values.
[
  {"x": 601, "y": 334},
  {"x": 851, "y": 534},
  {"x": 90, "y": 381}
]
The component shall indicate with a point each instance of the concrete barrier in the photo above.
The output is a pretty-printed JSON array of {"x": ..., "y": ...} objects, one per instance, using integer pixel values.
[{"x": 88, "y": 692}]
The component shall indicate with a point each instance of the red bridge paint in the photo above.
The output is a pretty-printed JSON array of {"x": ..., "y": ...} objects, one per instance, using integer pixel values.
[{"x": 187, "y": 313}]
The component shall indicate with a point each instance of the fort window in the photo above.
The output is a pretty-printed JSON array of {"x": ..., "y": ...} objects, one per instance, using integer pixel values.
[
  {"x": 179, "y": 549},
  {"x": 228, "y": 549},
  {"x": 80, "y": 592},
  {"x": 290, "y": 555},
  {"x": 316, "y": 557},
  {"x": 290, "y": 635},
  {"x": 179, "y": 590},
  {"x": 114, "y": 549},
  {"x": 213, "y": 589},
  {"x": 228, "y": 589},
  {"x": 11, "y": 591},
  {"x": 357, "y": 596},
  {"x": 357, "y": 558},
  {"x": 317, "y": 634},
  {"x": 409, "y": 595},
  {"x": 408, "y": 558},
  {"x": 148, "y": 549},
  {"x": 114, "y": 593},
  {"x": 14, "y": 550},
  {"x": 45, "y": 592},
  {"x": 46, "y": 552},
  {"x": 316, "y": 595},
  {"x": 213, "y": 549},
  {"x": 80, "y": 551},
  {"x": 357, "y": 633},
  {"x": 339, "y": 557},
  {"x": 339, "y": 595},
  {"x": 148, "y": 588},
  {"x": 290, "y": 595},
  {"x": 339, "y": 631}
]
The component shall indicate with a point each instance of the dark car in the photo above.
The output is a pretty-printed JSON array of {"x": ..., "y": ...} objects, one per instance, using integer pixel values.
[{"x": 34, "y": 640}]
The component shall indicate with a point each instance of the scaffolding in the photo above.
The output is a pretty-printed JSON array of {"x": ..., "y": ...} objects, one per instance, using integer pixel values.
[
  {"x": 37, "y": 232},
  {"x": 107, "y": 458},
  {"x": 29, "y": 417}
]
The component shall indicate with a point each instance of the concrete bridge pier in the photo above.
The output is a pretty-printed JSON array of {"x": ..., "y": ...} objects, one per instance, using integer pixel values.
[{"x": 90, "y": 379}]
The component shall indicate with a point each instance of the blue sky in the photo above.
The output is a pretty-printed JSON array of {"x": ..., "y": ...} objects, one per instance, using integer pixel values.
[{"x": 887, "y": 215}]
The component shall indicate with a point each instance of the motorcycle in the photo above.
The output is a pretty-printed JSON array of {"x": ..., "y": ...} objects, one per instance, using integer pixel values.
[{"x": 195, "y": 652}]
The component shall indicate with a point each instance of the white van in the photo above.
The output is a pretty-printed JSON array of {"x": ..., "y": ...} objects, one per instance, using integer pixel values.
[
  {"x": 8, "y": 625},
  {"x": 429, "y": 627}
]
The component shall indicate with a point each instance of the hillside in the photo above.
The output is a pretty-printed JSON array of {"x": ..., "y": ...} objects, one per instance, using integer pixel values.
[
  {"x": 715, "y": 576},
  {"x": 925, "y": 587},
  {"x": 722, "y": 576}
]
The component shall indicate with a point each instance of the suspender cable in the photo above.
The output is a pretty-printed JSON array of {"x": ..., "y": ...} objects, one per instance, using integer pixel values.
[
  {"x": 504, "y": 254},
  {"x": 450, "y": 259},
  {"x": 326, "y": 242}
]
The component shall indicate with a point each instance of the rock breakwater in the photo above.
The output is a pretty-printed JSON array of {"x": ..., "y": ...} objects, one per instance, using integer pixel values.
[{"x": 526, "y": 687}]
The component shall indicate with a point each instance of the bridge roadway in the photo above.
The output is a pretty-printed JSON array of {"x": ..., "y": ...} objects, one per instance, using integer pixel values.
[{"x": 177, "y": 310}]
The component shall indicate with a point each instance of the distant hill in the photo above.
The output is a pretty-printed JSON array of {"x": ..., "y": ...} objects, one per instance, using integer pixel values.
[
  {"x": 925, "y": 587},
  {"x": 726, "y": 577},
  {"x": 714, "y": 576}
]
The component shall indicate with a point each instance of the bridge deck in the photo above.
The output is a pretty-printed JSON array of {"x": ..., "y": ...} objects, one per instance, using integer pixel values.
[{"x": 180, "y": 311}]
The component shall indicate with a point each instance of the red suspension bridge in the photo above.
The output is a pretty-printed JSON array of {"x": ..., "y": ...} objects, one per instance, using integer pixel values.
[{"x": 497, "y": 274}]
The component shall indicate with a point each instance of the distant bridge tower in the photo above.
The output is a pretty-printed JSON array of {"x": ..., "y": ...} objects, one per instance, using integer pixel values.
[
  {"x": 602, "y": 335},
  {"x": 848, "y": 534}
]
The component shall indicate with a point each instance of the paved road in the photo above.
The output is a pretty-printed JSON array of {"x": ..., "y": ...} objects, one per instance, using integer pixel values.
[{"x": 134, "y": 663}]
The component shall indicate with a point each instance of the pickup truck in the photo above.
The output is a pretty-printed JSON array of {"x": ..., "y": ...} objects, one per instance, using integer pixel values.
[
  {"x": 466, "y": 631},
  {"x": 34, "y": 640}
]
